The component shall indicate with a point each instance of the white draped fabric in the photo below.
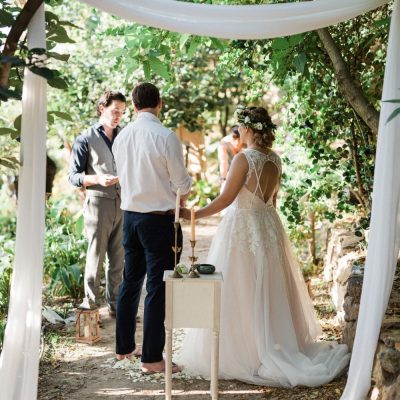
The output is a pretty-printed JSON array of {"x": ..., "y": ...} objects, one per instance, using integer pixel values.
[
  {"x": 383, "y": 247},
  {"x": 237, "y": 22},
  {"x": 20, "y": 356},
  {"x": 19, "y": 360}
]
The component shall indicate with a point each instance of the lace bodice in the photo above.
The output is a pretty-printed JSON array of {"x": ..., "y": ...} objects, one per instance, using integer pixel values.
[{"x": 253, "y": 200}]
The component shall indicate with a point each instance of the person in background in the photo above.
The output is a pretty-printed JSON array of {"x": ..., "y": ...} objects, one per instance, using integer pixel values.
[
  {"x": 92, "y": 166},
  {"x": 228, "y": 147}
]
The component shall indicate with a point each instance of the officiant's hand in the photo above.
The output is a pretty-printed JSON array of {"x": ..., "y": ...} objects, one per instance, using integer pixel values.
[
  {"x": 107, "y": 180},
  {"x": 184, "y": 213}
]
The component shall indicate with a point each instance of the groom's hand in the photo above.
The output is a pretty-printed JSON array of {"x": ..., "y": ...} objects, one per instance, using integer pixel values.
[{"x": 184, "y": 213}]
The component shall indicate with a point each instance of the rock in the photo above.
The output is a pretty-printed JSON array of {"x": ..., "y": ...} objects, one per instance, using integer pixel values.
[
  {"x": 351, "y": 308},
  {"x": 354, "y": 286},
  {"x": 349, "y": 333},
  {"x": 390, "y": 361},
  {"x": 392, "y": 392}
]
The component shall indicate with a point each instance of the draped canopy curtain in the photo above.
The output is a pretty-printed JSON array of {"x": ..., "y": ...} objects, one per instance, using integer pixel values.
[{"x": 19, "y": 359}]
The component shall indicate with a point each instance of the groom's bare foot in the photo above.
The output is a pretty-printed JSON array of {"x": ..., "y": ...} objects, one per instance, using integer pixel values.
[
  {"x": 135, "y": 353},
  {"x": 158, "y": 367},
  {"x": 121, "y": 357}
]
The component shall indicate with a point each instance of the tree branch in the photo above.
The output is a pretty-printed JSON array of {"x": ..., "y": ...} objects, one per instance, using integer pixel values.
[
  {"x": 347, "y": 84},
  {"x": 16, "y": 31}
]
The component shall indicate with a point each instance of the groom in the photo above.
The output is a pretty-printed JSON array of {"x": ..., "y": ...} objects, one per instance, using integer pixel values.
[{"x": 150, "y": 168}]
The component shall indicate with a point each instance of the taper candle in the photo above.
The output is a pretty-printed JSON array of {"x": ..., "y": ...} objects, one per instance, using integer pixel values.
[
  {"x": 177, "y": 204},
  {"x": 192, "y": 225}
]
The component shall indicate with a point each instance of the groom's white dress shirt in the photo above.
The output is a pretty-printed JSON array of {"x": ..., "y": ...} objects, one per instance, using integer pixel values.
[{"x": 150, "y": 165}]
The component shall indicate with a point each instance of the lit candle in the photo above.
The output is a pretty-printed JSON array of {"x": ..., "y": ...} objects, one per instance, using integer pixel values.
[
  {"x": 192, "y": 225},
  {"x": 177, "y": 204}
]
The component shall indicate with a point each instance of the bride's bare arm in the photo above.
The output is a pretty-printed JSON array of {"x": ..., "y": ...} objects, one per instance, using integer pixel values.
[{"x": 234, "y": 182}]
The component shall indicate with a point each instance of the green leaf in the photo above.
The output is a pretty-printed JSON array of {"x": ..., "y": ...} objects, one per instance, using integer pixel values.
[
  {"x": 6, "y": 18},
  {"x": 146, "y": 70},
  {"x": 6, "y": 94},
  {"x": 116, "y": 53},
  {"x": 17, "y": 123},
  {"x": 192, "y": 48},
  {"x": 394, "y": 114},
  {"x": 14, "y": 61},
  {"x": 68, "y": 23},
  {"x": 7, "y": 131},
  {"x": 159, "y": 67},
  {"x": 65, "y": 278},
  {"x": 218, "y": 43},
  {"x": 300, "y": 62},
  {"x": 75, "y": 273},
  {"x": 60, "y": 35},
  {"x": 49, "y": 16},
  {"x": 392, "y": 101},
  {"x": 183, "y": 40},
  {"x": 43, "y": 72},
  {"x": 280, "y": 44},
  {"x": 61, "y": 115},
  {"x": 79, "y": 225},
  {"x": 58, "y": 83},
  {"x": 296, "y": 39},
  {"x": 382, "y": 22},
  {"x": 57, "y": 56}
]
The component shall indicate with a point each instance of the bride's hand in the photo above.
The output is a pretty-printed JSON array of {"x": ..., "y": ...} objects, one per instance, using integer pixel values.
[{"x": 184, "y": 213}]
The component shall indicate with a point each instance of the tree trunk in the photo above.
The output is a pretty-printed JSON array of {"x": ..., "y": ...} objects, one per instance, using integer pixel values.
[
  {"x": 356, "y": 162},
  {"x": 347, "y": 84},
  {"x": 17, "y": 29},
  {"x": 312, "y": 248}
]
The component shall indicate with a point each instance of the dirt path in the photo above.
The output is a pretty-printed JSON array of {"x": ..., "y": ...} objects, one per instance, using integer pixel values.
[{"x": 81, "y": 372}]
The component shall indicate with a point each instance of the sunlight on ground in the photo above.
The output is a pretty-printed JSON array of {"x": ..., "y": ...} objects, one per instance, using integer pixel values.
[{"x": 160, "y": 393}]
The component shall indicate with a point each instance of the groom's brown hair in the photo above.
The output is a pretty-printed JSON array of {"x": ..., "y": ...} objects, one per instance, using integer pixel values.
[{"x": 145, "y": 95}]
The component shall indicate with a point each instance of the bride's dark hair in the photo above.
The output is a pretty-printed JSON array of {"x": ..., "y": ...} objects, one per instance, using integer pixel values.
[{"x": 259, "y": 118}]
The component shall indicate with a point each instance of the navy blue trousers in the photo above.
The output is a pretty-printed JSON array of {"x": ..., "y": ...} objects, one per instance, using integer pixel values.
[{"x": 148, "y": 240}]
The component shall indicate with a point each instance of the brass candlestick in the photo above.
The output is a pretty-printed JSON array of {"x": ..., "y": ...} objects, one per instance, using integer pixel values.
[
  {"x": 193, "y": 270},
  {"x": 176, "y": 250}
]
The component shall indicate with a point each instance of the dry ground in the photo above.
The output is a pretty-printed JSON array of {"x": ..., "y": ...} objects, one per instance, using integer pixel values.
[{"x": 77, "y": 371}]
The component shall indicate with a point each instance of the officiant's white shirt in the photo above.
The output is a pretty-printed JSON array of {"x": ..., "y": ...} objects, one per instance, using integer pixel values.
[{"x": 150, "y": 165}]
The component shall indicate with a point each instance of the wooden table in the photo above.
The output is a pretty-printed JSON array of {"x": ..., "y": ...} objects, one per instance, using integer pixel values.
[{"x": 192, "y": 303}]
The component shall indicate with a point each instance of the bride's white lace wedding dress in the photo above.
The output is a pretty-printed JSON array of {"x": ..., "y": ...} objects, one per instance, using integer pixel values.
[{"x": 268, "y": 323}]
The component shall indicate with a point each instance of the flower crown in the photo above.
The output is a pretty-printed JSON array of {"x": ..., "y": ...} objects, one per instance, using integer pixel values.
[{"x": 246, "y": 120}]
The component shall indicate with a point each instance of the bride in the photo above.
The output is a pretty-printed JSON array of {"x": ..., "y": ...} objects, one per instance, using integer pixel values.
[{"x": 268, "y": 324}]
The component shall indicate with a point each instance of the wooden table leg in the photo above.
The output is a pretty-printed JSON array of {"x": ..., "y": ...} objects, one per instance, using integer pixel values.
[
  {"x": 214, "y": 365},
  {"x": 168, "y": 364}
]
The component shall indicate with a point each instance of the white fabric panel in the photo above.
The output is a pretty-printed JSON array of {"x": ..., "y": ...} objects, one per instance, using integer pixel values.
[
  {"x": 383, "y": 248},
  {"x": 19, "y": 361},
  {"x": 237, "y": 22}
]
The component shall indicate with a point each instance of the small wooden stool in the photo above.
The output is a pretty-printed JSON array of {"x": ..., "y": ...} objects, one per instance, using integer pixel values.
[{"x": 87, "y": 326}]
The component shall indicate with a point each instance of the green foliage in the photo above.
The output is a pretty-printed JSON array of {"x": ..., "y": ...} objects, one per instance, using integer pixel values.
[
  {"x": 43, "y": 62},
  {"x": 395, "y": 112},
  {"x": 202, "y": 193},
  {"x": 7, "y": 238},
  {"x": 65, "y": 252}
]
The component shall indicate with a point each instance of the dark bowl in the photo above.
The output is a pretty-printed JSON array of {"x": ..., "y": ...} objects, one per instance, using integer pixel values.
[{"x": 206, "y": 269}]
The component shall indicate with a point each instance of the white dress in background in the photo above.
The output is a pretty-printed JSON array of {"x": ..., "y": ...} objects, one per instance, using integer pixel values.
[{"x": 268, "y": 323}]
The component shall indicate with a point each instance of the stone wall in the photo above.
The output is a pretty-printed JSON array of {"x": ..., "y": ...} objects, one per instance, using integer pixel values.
[
  {"x": 386, "y": 370},
  {"x": 343, "y": 255},
  {"x": 344, "y": 269}
]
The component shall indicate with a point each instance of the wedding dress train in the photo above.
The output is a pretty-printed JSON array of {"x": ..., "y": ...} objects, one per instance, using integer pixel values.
[{"x": 268, "y": 323}]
